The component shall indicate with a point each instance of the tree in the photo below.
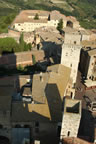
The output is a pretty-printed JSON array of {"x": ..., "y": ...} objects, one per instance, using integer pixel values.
[
  {"x": 60, "y": 25},
  {"x": 33, "y": 59},
  {"x": 36, "y": 16},
  {"x": 21, "y": 40}
]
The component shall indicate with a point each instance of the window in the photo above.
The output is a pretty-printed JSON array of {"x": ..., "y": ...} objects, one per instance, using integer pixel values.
[
  {"x": 1, "y": 126},
  {"x": 71, "y": 94},
  {"x": 36, "y": 124},
  {"x": 66, "y": 54},
  {"x": 36, "y": 130},
  {"x": 74, "y": 42},
  {"x": 17, "y": 126},
  {"x": 68, "y": 134},
  {"x": 26, "y": 126},
  {"x": 37, "y": 127}
]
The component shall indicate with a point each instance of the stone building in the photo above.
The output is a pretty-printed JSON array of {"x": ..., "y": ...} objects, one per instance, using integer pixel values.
[
  {"x": 70, "y": 58},
  {"x": 26, "y": 21},
  {"x": 71, "y": 118},
  {"x": 88, "y": 63},
  {"x": 51, "y": 42},
  {"x": 73, "y": 36},
  {"x": 45, "y": 111},
  {"x": 43, "y": 114},
  {"x": 71, "y": 49}
]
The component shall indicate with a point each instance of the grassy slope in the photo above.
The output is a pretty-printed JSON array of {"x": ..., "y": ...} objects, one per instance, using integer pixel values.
[{"x": 83, "y": 10}]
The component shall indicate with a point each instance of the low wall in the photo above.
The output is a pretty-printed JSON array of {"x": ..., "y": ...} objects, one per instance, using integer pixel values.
[{"x": 21, "y": 58}]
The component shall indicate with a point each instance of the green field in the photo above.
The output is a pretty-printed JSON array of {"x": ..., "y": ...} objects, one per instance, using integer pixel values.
[{"x": 83, "y": 10}]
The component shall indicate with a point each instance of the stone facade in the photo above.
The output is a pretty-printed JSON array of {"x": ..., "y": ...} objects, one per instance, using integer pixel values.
[
  {"x": 88, "y": 63},
  {"x": 71, "y": 118},
  {"x": 70, "y": 58},
  {"x": 73, "y": 36}
]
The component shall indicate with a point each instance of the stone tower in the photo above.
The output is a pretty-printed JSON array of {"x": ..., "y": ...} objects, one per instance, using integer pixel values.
[
  {"x": 71, "y": 118},
  {"x": 70, "y": 58}
]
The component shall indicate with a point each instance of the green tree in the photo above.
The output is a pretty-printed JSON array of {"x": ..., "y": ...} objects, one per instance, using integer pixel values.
[
  {"x": 20, "y": 68},
  {"x": 36, "y": 16},
  {"x": 60, "y": 25},
  {"x": 33, "y": 59},
  {"x": 21, "y": 39},
  {"x": 29, "y": 45}
]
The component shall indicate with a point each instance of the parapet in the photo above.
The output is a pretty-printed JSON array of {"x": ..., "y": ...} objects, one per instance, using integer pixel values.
[{"x": 72, "y": 106}]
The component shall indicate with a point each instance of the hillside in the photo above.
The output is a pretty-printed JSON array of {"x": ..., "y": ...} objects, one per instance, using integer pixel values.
[{"x": 83, "y": 10}]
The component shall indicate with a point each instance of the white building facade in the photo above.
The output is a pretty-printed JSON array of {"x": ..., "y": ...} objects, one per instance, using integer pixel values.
[
  {"x": 70, "y": 58},
  {"x": 25, "y": 21}
]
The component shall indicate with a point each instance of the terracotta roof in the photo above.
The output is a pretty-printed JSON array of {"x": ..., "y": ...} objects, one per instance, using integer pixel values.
[
  {"x": 23, "y": 16},
  {"x": 33, "y": 12},
  {"x": 56, "y": 15}
]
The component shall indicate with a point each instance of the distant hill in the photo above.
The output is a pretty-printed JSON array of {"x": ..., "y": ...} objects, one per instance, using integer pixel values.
[{"x": 83, "y": 10}]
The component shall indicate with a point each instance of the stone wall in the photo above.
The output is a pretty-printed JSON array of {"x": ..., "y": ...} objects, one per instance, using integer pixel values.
[
  {"x": 22, "y": 58},
  {"x": 72, "y": 39},
  {"x": 70, "y": 124}
]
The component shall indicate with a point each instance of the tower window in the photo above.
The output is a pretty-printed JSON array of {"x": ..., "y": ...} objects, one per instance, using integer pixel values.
[
  {"x": 74, "y": 42},
  {"x": 37, "y": 127},
  {"x": 68, "y": 133}
]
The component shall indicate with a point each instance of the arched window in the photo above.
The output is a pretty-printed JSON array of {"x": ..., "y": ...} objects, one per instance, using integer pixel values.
[{"x": 69, "y": 24}]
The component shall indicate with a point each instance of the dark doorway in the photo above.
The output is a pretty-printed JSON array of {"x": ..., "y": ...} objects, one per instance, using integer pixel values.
[{"x": 69, "y": 24}]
